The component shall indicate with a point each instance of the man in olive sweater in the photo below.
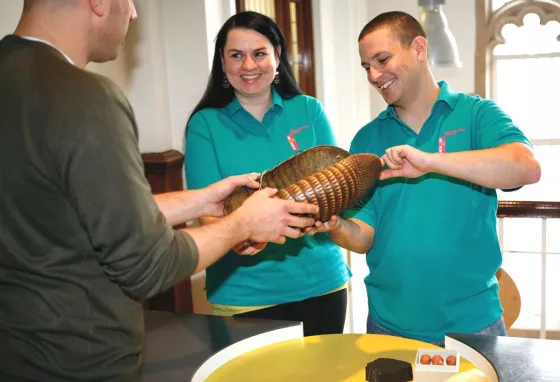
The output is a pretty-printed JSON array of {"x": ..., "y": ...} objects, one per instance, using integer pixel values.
[{"x": 82, "y": 240}]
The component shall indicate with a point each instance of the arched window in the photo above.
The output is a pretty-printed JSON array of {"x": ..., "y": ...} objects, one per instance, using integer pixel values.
[{"x": 517, "y": 64}]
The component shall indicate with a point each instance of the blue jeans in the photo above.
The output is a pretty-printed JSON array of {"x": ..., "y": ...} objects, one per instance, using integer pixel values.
[{"x": 498, "y": 328}]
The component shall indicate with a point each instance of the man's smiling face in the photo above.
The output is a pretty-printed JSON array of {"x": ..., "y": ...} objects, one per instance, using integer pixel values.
[{"x": 391, "y": 67}]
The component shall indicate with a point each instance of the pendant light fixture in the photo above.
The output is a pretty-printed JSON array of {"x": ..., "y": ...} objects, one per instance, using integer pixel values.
[{"x": 442, "y": 47}]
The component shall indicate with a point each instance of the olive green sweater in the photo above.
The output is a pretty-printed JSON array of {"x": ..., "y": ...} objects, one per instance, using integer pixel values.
[{"x": 81, "y": 238}]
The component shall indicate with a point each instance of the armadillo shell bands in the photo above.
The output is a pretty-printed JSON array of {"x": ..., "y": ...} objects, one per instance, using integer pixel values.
[{"x": 326, "y": 176}]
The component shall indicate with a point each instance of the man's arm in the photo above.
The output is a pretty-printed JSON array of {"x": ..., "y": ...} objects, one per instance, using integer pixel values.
[
  {"x": 260, "y": 219},
  {"x": 182, "y": 206},
  {"x": 501, "y": 158},
  {"x": 179, "y": 207},
  {"x": 241, "y": 248},
  {"x": 503, "y": 167}
]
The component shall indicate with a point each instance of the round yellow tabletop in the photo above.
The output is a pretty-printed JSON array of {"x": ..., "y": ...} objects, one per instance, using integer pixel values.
[{"x": 337, "y": 357}]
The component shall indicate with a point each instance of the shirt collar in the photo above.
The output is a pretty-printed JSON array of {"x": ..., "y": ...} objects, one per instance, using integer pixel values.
[
  {"x": 48, "y": 43},
  {"x": 234, "y": 106},
  {"x": 446, "y": 95}
]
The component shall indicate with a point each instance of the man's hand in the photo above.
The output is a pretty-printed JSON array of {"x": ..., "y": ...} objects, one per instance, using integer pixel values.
[
  {"x": 331, "y": 225},
  {"x": 213, "y": 196},
  {"x": 405, "y": 161},
  {"x": 269, "y": 219}
]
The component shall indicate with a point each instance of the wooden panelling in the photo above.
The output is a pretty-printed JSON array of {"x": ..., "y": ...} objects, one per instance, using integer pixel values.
[
  {"x": 164, "y": 172},
  {"x": 521, "y": 209}
]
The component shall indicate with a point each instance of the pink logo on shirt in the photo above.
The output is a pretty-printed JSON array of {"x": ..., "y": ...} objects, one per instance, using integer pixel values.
[
  {"x": 292, "y": 139},
  {"x": 453, "y": 132},
  {"x": 442, "y": 143}
]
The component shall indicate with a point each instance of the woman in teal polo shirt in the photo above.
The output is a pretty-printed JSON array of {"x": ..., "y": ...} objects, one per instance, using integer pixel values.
[{"x": 252, "y": 117}]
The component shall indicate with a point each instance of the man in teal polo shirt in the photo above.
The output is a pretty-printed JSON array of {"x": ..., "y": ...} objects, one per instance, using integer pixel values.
[{"x": 433, "y": 212}]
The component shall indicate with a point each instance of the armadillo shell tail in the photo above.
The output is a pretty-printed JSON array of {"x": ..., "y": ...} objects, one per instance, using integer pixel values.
[
  {"x": 338, "y": 187},
  {"x": 290, "y": 171}
]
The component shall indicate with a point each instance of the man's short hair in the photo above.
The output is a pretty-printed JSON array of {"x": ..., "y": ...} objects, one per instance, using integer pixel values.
[
  {"x": 405, "y": 27},
  {"x": 30, "y": 4}
]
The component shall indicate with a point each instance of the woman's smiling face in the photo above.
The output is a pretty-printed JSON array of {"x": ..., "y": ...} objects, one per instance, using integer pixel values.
[{"x": 249, "y": 61}]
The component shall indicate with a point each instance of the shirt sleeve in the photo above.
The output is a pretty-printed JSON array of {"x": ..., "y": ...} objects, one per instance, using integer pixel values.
[
  {"x": 101, "y": 169},
  {"x": 493, "y": 127},
  {"x": 201, "y": 161},
  {"x": 323, "y": 129}
]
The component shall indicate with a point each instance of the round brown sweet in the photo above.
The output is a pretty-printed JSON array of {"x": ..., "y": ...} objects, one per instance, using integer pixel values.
[
  {"x": 451, "y": 360},
  {"x": 425, "y": 359},
  {"x": 437, "y": 360}
]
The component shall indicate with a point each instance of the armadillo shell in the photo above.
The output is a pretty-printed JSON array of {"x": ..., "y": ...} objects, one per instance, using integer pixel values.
[
  {"x": 324, "y": 175},
  {"x": 336, "y": 188},
  {"x": 291, "y": 170}
]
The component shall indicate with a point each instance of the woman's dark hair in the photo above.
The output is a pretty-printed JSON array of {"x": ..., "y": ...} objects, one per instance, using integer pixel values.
[{"x": 215, "y": 94}]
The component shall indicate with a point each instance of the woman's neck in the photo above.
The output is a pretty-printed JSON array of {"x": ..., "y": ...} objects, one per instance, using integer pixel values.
[{"x": 256, "y": 105}]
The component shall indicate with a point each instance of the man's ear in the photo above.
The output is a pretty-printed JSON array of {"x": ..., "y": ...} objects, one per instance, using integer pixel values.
[
  {"x": 420, "y": 46},
  {"x": 98, "y": 7}
]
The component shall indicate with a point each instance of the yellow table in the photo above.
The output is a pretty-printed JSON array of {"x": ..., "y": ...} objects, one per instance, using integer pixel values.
[{"x": 339, "y": 357}]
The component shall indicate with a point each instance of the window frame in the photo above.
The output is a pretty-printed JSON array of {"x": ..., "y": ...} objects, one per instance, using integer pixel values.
[{"x": 489, "y": 26}]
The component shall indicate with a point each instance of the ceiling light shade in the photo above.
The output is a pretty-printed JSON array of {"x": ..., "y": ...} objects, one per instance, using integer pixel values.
[{"x": 442, "y": 47}]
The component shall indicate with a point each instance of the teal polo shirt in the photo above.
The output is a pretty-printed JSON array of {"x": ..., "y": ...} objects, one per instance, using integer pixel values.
[
  {"x": 435, "y": 249},
  {"x": 229, "y": 141}
]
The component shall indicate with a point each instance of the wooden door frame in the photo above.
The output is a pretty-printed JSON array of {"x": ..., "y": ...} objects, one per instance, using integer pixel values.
[{"x": 305, "y": 38}]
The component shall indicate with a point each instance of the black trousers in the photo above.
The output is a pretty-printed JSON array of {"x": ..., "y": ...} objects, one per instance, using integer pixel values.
[{"x": 320, "y": 315}]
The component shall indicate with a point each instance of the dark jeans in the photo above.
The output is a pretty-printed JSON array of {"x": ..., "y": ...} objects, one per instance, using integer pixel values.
[
  {"x": 497, "y": 328},
  {"x": 320, "y": 315}
]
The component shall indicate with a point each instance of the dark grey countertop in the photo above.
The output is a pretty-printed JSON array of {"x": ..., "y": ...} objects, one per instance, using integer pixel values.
[
  {"x": 517, "y": 359},
  {"x": 177, "y": 344}
]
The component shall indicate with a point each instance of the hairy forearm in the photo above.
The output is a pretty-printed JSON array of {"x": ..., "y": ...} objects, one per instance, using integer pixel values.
[
  {"x": 180, "y": 207},
  {"x": 503, "y": 167},
  {"x": 353, "y": 235},
  {"x": 215, "y": 237}
]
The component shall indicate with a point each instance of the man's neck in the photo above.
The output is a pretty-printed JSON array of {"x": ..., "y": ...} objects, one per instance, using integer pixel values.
[
  {"x": 61, "y": 36},
  {"x": 417, "y": 108}
]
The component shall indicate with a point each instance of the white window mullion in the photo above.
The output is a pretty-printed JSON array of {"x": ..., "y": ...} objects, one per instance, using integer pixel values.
[
  {"x": 525, "y": 56},
  {"x": 545, "y": 142},
  {"x": 501, "y": 233},
  {"x": 350, "y": 296},
  {"x": 543, "y": 280}
]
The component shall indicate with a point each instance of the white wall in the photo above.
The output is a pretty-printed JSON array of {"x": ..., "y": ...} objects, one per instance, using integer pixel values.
[
  {"x": 10, "y": 10},
  {"x": 341, "y": 85}
]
